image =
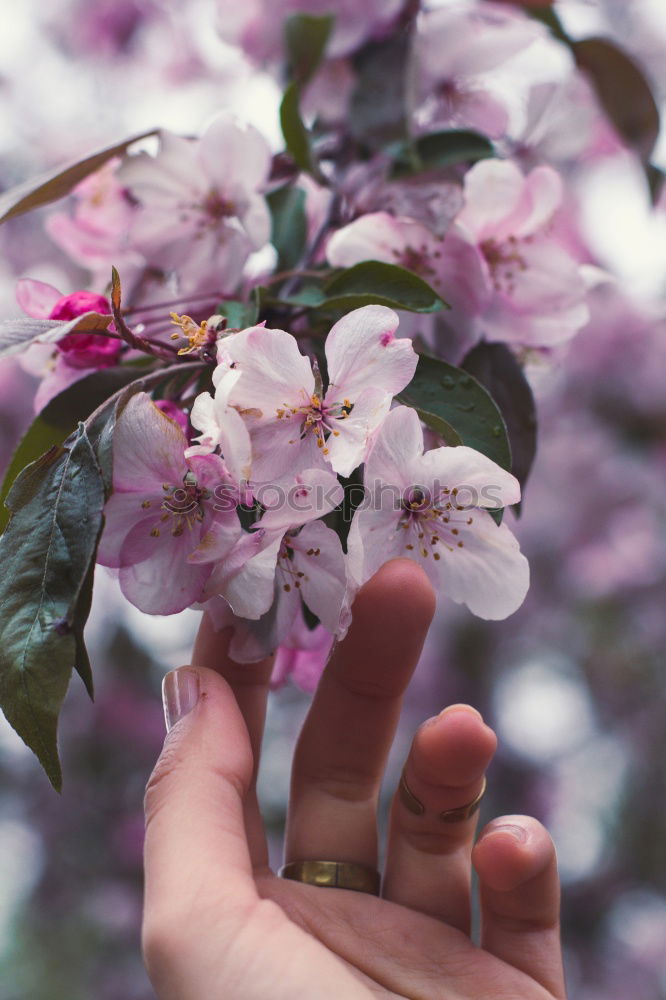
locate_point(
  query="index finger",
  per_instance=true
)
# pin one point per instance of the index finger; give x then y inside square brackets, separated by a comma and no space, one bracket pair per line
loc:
[249,683]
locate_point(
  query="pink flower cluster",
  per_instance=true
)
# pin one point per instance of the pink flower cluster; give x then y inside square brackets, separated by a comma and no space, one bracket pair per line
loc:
[234,494]
[500,266]
[238,521]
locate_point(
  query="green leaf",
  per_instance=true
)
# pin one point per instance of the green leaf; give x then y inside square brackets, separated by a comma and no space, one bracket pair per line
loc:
[59,418]
[16,334]
[378,109]
[79,619]
[310,296]
[56,184]
[373,282]
[440,426]
[456,397]
[296,136]
[442,149]
[655,178]
[46,554]
[495,367]
[623,91]
[305,38]
[548,17]
[289,225]
[239,315]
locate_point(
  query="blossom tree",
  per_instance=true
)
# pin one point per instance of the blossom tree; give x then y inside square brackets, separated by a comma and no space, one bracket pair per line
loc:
[293,365]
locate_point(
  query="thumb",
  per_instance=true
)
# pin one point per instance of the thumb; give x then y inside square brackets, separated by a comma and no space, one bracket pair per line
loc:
[196,847]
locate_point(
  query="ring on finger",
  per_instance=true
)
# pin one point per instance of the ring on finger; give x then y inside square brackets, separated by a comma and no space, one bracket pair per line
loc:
[334,875]
[457,815]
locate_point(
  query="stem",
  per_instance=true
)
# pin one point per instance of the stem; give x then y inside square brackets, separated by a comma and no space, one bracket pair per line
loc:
[311,253]
[202,296]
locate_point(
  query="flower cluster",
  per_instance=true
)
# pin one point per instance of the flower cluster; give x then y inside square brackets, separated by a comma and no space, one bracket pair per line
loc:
[240,519]
[316,353]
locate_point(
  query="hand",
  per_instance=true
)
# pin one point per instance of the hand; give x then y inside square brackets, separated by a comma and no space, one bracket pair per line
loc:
[218,922]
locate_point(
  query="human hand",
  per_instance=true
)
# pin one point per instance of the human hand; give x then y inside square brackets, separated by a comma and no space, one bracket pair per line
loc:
[219,924]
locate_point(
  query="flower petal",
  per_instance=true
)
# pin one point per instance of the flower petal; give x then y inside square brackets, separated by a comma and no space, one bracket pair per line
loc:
[36,298]
[489,574]
[314,493]
[122,512]
[250,592]
[274,373]
[363,353]
[165,583]
[318,555]
[348,444]
[480,482]
[397,445]
[148,448]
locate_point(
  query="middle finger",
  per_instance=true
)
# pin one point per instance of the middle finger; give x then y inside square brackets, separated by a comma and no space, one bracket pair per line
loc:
[341,752]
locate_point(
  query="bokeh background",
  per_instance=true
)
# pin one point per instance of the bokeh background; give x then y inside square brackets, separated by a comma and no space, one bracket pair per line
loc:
[574,682]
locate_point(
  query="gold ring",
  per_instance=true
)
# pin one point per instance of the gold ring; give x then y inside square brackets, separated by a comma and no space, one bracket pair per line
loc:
[334,875]
[415,806]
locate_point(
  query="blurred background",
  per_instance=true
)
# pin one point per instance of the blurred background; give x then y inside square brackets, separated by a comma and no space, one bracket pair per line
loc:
[573,682]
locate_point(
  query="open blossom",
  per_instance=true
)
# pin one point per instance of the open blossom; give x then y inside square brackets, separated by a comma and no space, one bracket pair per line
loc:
[293,424]
[505,275]
[65,361]
[201,211]
[162,509]
[454,47]
[95,233]
[300,560]
[452,265]
[536,290]
[430,507]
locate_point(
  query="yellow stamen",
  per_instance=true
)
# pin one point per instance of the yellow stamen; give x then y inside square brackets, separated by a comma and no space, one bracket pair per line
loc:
[196,335]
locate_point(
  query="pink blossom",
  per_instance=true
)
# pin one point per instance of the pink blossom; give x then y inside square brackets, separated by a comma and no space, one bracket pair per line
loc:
[293,424]
[162,510]
[201,211]
[500,266]
[299,559]
[75,355]
[302,656]
[454,47]
[300,565]
[174,413]
[430,507]
[95,235]
[536,290]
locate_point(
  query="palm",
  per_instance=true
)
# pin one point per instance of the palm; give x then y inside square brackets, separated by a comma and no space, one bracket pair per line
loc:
[391,950]
[220,924]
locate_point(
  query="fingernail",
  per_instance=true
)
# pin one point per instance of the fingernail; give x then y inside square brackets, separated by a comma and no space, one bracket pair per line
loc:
[517,832]
[180,693]
[460,708]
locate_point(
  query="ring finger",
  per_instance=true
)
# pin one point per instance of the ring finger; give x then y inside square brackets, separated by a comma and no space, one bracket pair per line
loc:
[434,816]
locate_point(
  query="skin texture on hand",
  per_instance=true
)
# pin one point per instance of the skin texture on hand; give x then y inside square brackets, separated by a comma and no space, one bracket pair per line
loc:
[220,924]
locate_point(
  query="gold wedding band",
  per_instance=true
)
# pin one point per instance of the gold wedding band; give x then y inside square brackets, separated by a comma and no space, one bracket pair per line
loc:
[415,806]
[334,875]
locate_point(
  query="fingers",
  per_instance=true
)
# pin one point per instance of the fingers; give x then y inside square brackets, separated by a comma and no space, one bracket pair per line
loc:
[250,685]
[196,852]
[520,898]
[341,753]
[428,863]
